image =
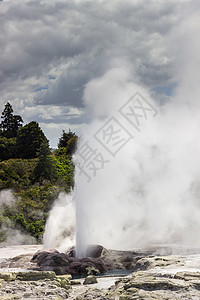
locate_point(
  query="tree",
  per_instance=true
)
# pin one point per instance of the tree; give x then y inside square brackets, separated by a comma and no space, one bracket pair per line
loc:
[72,145]
[67,143]
[11,123]
[65,169]
[29,139]
[44,169]
[7,148]
[65,137]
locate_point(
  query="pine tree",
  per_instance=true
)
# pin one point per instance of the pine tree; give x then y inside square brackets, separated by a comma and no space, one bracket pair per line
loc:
[29,139]
[10,124]
[65,137]
[44,169]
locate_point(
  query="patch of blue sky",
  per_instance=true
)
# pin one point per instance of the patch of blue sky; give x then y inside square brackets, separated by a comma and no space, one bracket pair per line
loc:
[168,90]
[51,77]
[42,88]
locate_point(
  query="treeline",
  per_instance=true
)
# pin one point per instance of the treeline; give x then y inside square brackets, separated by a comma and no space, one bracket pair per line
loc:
[18,141]
[34,173]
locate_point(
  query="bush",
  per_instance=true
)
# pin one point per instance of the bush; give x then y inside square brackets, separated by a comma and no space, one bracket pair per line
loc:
[15,173]
[29,211]
[65,170]
[7,148]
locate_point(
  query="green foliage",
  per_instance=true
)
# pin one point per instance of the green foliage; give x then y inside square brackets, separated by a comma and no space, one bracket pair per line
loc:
[65,137]
[65,169]
[36,178]
[33,227]
[7,148]
[6,221]
[37,198]
[72,145]
[32,208]
[29,139]
[69,142]
[20,174]
[16,173]
[45,169]
[29,211]
[10,123]
[62,151]
[5,224]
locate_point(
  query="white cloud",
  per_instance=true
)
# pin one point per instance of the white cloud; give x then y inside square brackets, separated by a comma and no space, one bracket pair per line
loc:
[63,45]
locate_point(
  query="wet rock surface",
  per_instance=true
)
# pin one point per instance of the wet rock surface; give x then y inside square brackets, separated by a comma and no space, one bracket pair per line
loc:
[153,277]
[152,283]
[140,285]
[144,285]
[114,259]
[99,260]
[91,279]
[33,285]
[62,263]
[94,251]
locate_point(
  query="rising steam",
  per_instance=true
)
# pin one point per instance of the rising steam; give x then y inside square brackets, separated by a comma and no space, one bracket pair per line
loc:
[11,235]
[149,191]
[60,226]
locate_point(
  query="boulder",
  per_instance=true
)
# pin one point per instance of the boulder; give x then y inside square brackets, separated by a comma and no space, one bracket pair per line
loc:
[91,279]
[61,263]
[93,251]
[187,275]
[66,277]
[64,281]
[35,275]
[75,282]
[1,281]
[42,255]
[7,276]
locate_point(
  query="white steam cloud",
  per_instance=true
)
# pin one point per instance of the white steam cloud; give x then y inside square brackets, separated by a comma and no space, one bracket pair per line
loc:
[13,236]
[149,191]
[60,226]
[6,198]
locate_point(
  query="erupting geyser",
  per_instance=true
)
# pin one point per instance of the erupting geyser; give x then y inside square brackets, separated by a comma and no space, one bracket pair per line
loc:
[138,182]
[148,192]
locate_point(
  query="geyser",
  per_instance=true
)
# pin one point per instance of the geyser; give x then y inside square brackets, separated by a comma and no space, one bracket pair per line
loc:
[138,182]
[148,191]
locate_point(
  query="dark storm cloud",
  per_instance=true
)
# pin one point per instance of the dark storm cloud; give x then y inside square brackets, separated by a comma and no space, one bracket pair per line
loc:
[69,87]
[62,45]
[36,36]
[130,31]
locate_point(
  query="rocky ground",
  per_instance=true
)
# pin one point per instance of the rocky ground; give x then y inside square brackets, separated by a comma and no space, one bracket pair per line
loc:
[154,276]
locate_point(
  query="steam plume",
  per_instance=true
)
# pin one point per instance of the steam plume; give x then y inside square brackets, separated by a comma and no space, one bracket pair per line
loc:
[148,192]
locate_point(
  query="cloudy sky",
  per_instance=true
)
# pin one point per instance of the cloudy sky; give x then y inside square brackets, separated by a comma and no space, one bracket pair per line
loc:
[51,49]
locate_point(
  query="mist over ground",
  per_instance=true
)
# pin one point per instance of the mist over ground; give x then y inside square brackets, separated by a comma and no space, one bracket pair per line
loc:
[10,234]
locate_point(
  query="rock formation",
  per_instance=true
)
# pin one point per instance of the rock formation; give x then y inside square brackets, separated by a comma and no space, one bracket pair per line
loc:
[61,263]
